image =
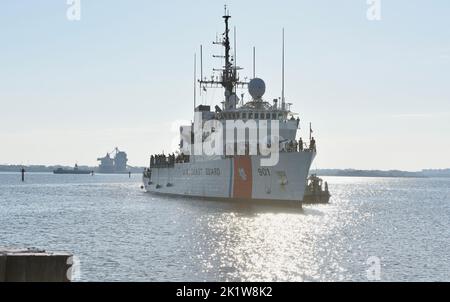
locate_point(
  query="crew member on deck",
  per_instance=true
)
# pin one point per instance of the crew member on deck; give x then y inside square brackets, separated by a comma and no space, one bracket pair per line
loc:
[312,145]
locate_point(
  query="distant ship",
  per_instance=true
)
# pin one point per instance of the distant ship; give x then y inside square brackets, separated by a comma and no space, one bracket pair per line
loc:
[75,170]
[114,162]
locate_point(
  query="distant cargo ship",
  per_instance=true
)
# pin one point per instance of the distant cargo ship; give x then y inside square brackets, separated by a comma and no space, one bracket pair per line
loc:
[75,170]
[114,162]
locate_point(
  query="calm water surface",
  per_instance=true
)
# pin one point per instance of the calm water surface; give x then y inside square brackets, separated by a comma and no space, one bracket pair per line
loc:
[120,233]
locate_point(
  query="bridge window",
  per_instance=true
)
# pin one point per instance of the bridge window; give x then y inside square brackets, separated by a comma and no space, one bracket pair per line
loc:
[250,115]
[244,115]
[256,116]
[274,116]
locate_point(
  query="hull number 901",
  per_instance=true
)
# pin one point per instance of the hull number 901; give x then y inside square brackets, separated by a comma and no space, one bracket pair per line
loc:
[264,172]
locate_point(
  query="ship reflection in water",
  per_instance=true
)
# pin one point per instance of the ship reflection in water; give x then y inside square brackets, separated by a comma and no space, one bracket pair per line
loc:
[258,243]
[122,234]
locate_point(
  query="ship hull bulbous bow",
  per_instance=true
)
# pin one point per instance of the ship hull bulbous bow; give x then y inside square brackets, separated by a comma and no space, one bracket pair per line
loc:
[238,178]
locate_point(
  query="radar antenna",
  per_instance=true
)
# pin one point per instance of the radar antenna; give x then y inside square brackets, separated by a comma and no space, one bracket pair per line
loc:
[229,78]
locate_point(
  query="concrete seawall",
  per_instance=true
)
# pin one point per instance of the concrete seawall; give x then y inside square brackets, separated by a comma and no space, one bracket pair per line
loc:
[32,265]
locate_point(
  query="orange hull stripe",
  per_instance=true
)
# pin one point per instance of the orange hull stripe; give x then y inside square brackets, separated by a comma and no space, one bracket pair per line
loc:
[243,178]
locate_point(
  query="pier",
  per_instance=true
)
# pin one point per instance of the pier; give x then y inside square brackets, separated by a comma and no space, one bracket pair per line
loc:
[33,265]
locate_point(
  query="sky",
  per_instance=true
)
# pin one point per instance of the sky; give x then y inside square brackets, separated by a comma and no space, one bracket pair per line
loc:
[377,92]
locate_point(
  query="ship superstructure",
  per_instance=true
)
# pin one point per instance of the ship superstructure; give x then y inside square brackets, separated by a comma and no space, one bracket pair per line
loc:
[239,169]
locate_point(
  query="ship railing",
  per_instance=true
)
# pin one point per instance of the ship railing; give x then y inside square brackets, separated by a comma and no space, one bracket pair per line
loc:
[298,146]
[294,148]
[162,161]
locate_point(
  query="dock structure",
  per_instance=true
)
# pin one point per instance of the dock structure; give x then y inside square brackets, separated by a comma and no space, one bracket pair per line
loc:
[33,265]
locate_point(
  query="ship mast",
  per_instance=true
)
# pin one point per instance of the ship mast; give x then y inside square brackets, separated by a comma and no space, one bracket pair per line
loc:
[229,79]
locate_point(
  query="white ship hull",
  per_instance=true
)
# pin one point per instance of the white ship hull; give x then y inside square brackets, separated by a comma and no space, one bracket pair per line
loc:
[240,178]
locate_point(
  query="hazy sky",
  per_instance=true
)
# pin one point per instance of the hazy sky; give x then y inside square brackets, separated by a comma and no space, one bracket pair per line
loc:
[377,92]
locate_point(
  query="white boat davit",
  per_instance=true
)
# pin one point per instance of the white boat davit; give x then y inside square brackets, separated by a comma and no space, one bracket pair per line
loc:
[243,150]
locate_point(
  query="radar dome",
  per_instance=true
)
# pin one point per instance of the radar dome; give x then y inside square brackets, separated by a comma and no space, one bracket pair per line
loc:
[257,88]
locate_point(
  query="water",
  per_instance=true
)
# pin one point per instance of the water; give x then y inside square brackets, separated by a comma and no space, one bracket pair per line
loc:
[120,233]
